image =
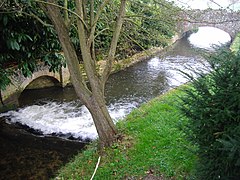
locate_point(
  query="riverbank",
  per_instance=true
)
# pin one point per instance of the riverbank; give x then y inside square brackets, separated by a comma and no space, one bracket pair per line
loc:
[138,57]
[154,144]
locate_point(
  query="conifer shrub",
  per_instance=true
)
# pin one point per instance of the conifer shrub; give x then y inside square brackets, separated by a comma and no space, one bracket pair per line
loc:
[212,104]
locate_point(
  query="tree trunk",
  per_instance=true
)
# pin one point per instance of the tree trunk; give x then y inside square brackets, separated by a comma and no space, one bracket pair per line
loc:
[103,122]
[94,98]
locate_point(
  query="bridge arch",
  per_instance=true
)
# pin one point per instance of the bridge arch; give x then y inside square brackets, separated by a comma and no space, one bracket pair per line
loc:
[219,18]
[41,80]
[194,28]
[19,83]
[206,37]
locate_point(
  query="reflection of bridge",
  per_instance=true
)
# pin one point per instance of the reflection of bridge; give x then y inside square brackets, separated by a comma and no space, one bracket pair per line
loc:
[40,78]
[227,21]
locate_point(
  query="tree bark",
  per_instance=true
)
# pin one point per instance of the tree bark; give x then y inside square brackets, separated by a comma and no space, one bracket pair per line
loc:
[92,98]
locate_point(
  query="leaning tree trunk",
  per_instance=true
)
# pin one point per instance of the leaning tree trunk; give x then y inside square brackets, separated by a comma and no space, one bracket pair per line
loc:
[94,98]
[103,122]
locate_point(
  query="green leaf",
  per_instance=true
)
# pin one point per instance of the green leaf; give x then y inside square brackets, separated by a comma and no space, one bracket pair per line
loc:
[29,37]
[5,20]
[16,45]
[20,38]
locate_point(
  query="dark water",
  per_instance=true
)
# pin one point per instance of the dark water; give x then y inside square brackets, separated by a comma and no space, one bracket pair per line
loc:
[24,155]
[27,156]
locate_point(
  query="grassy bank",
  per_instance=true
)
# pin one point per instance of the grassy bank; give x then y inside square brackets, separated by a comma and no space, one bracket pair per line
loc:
[154,142]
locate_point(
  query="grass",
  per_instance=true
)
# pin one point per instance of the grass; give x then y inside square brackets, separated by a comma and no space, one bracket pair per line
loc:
[154,142]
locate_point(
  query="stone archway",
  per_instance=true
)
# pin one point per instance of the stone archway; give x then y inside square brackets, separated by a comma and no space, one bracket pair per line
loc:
[220,18]
[19,82]
[43,82]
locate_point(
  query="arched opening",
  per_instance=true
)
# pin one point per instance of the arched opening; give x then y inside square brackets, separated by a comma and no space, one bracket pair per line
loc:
[40,88]
[43,82]
[206,37]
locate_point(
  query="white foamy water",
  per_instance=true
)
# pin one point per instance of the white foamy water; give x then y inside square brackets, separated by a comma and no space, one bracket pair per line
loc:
[72,119]
[174,65]
[206,37]
[67,118]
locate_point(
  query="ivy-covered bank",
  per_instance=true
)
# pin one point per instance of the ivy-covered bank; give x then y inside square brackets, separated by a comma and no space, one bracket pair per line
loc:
[152,142]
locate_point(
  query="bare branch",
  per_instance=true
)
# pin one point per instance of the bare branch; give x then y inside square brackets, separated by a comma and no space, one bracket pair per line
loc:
[66,17]
[93,27]
[39,19]
[91,13]
[114,41]
[77,78]
[136,43]
[64,8]
[214,2]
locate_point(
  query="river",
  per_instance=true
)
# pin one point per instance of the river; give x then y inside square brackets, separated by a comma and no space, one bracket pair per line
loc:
[51,125]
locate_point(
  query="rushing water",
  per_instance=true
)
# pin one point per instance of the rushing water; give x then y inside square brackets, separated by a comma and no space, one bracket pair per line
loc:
[57,112]
[60,113]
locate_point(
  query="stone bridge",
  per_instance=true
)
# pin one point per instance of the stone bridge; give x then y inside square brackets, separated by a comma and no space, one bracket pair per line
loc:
[228,21]
[41,78]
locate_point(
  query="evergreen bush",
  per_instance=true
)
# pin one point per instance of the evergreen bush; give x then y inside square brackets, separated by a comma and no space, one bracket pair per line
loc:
[212,104]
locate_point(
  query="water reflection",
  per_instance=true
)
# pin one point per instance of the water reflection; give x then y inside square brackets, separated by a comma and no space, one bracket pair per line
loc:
[209,37]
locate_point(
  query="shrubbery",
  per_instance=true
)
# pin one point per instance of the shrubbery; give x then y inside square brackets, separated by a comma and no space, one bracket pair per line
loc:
[212,105]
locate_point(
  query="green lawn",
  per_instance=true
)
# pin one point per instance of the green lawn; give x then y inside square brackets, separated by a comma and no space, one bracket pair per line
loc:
[154,142]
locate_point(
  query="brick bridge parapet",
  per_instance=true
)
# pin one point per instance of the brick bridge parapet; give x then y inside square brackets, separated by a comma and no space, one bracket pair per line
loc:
[228,21]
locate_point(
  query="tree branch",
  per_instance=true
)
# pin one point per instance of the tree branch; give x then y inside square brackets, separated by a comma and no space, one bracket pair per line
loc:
[39,19]
[61,7]
[77,79]
[95,170]
[88,61]
[113,46]
[93,27]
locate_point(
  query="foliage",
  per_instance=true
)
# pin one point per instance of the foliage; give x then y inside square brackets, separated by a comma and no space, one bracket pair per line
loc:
[235,46]
[213,104]
[26,39]
[148,24]
[154,142]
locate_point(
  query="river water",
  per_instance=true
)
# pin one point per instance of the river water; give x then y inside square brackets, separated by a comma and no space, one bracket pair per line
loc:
[52,125]
[57,111]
